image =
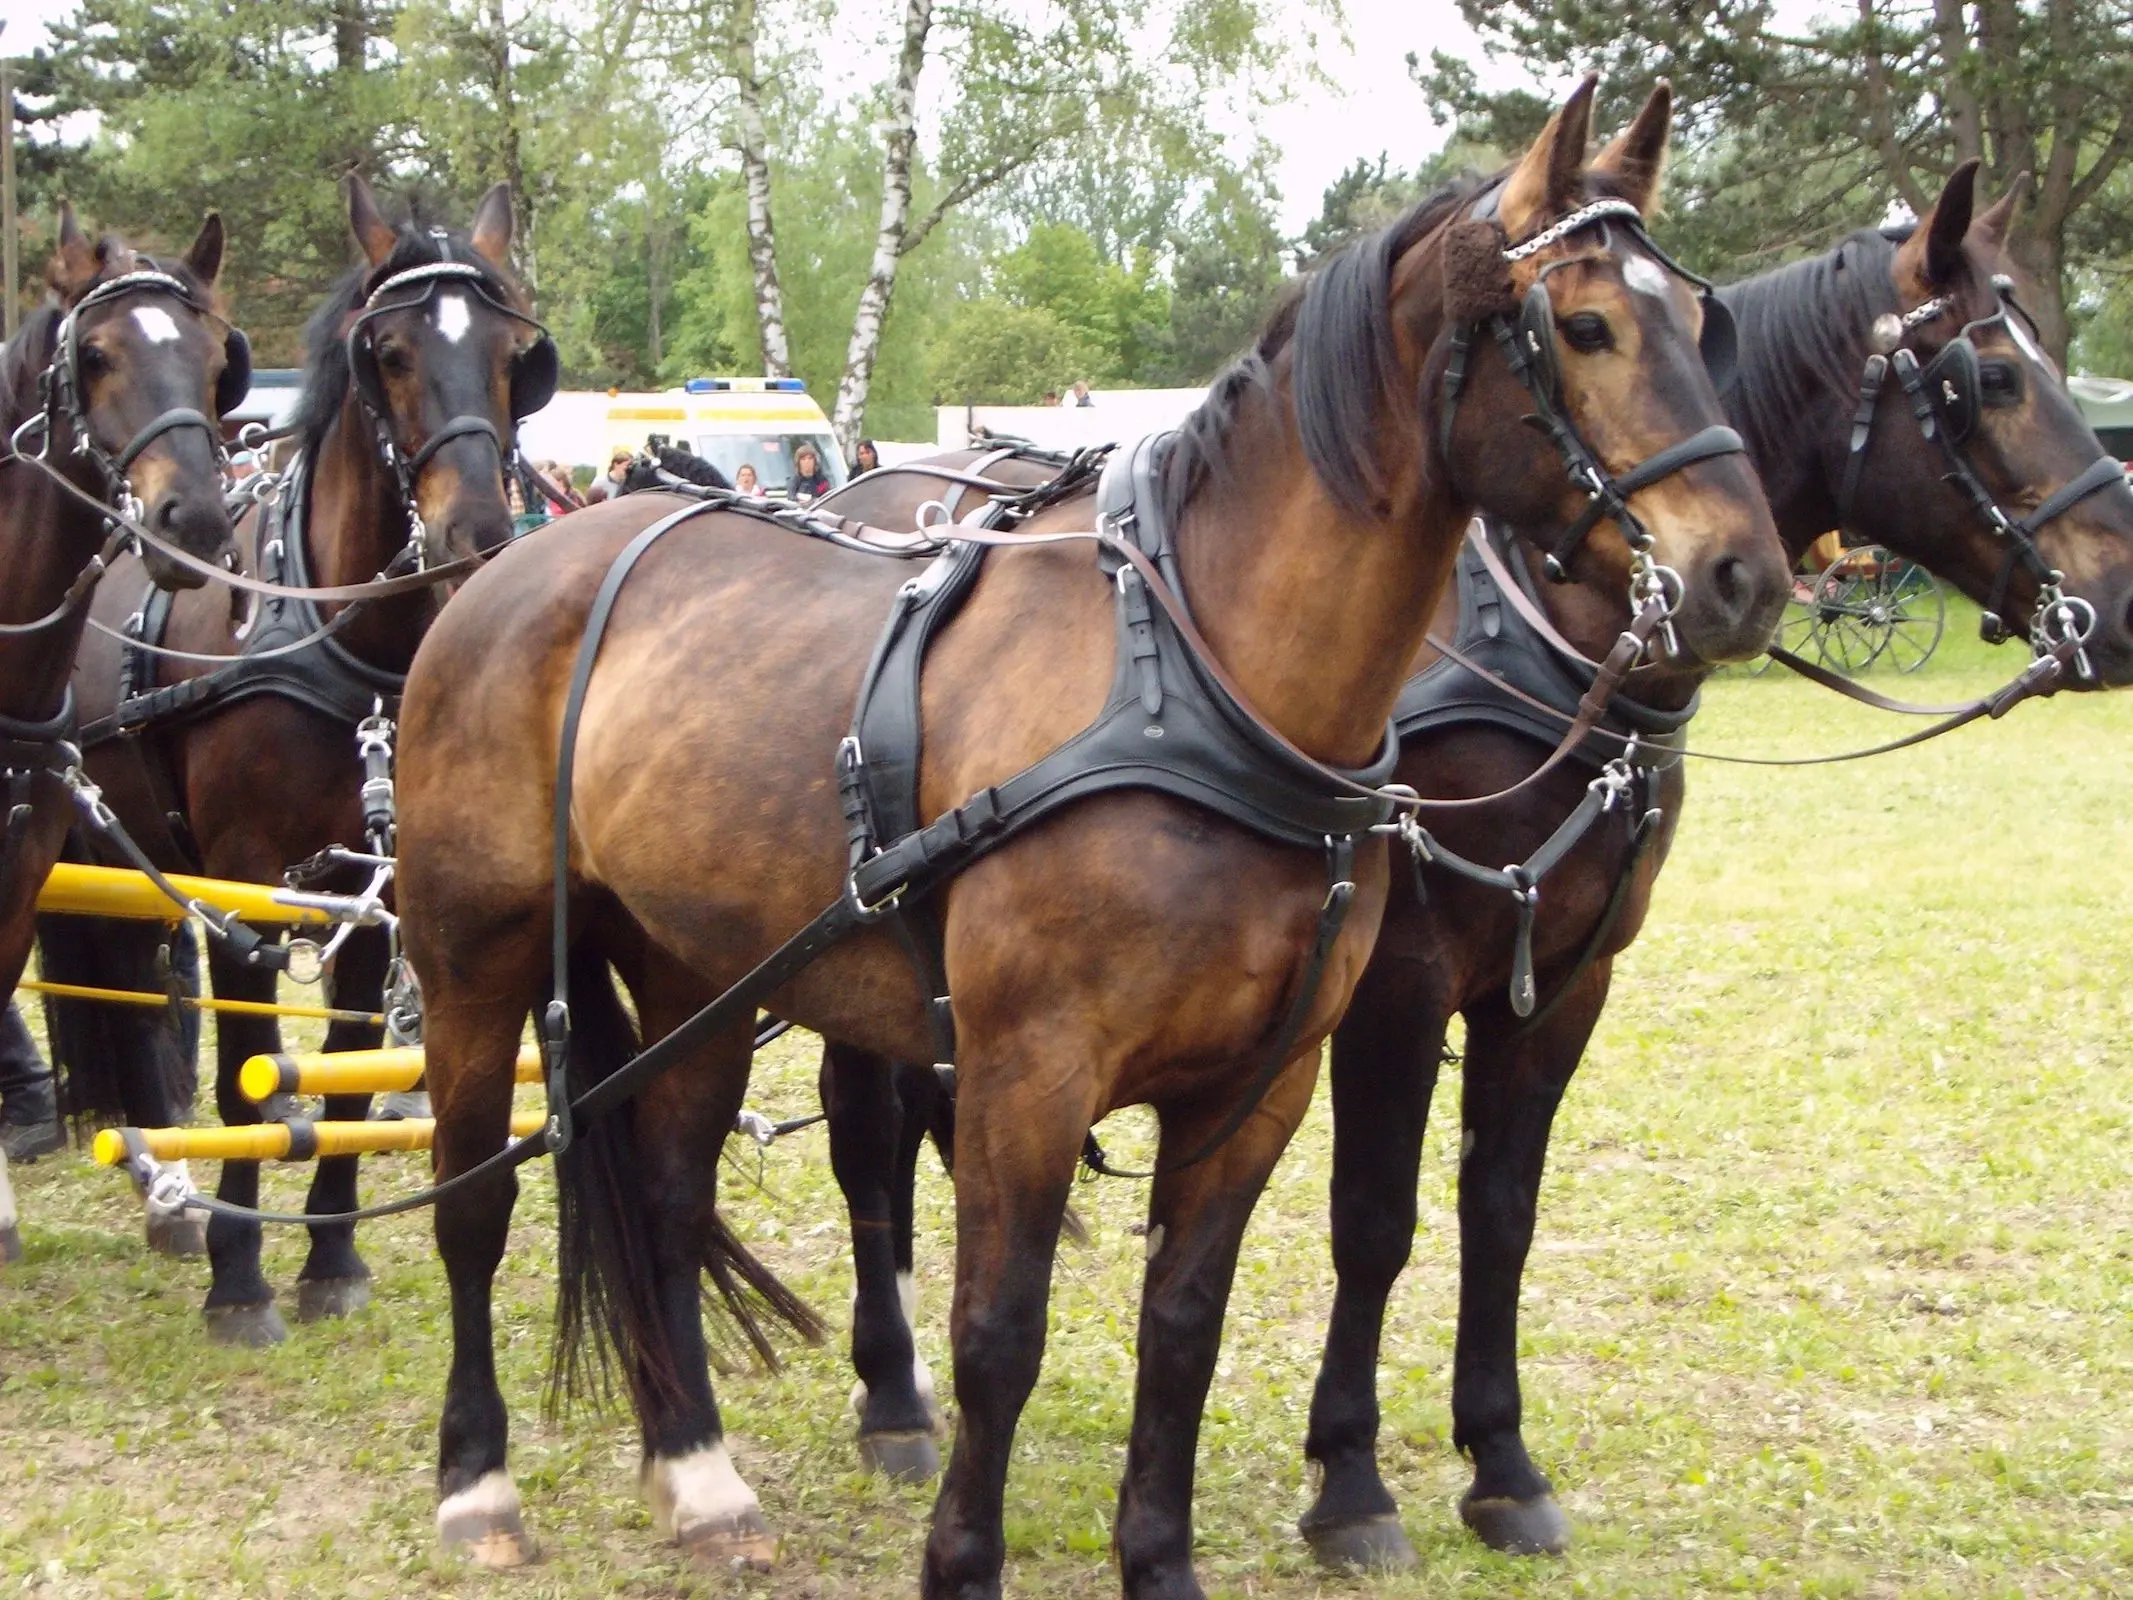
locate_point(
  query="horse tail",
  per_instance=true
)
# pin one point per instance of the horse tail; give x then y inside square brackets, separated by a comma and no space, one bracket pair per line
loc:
[607,1309]
[120,1063]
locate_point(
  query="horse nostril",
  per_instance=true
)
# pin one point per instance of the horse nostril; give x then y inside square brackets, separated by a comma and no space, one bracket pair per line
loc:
[167,513]
[1734,585]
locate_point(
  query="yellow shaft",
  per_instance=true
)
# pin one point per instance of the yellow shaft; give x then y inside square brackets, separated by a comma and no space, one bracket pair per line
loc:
[249,1008]
[350,1072]
[269,1141]
[116,892]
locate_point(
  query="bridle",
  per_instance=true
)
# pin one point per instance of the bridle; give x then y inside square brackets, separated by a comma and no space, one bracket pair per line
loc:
[1526,335]
[1946,396]
[535,372]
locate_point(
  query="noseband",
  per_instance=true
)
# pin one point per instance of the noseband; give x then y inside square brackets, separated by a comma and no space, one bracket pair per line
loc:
[1527,338]
[534,374]
[1946,396]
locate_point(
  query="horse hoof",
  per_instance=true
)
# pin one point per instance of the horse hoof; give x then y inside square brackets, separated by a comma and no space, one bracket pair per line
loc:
[744,1544]
[10,1245]
[1535,1527]
[252,1326]
[319,1298]
[909,1456]
[482,1523]
[1375,1544]
[184,1234]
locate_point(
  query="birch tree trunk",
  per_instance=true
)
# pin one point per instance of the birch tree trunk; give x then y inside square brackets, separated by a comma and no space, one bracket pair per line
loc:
[892,238]
[755,167]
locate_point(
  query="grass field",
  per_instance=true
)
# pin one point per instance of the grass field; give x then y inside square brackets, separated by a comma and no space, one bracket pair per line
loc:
[1833,1293]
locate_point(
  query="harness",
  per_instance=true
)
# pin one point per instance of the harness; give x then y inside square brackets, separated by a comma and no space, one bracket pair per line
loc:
[1946,395]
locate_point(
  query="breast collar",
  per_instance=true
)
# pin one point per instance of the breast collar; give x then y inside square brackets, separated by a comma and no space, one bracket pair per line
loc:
[1491,633]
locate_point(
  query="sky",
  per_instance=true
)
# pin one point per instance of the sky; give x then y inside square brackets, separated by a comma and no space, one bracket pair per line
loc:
[1368,106]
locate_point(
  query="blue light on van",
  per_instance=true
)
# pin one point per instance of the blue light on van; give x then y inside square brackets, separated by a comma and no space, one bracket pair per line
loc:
[706,386]
[785,385]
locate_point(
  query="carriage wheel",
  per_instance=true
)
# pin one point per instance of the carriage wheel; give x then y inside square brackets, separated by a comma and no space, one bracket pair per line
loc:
[1851,610]
[1796,630]
[1918,613]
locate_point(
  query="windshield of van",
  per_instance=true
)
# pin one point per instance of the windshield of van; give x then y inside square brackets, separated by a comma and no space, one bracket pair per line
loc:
[771,454]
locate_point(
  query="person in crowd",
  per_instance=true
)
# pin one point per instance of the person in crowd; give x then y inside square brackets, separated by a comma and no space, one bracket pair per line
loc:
[866,458]
[1082,397]
[1051,397]
[746,482]
[618,468]
[809,481]
[556,490]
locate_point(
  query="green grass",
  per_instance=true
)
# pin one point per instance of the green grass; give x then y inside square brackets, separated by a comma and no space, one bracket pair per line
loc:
[1833,1293]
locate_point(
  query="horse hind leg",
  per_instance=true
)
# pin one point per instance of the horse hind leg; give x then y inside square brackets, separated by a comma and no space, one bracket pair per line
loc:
[240,1307]
[874,1138]
[1513,1083]
[335,1281]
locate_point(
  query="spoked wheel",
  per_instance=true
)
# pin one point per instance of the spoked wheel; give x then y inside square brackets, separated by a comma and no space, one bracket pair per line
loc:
[1918,613]
[1796,630]
[1848,605]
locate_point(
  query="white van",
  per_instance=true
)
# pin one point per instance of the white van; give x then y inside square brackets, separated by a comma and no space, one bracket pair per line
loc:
[731,422]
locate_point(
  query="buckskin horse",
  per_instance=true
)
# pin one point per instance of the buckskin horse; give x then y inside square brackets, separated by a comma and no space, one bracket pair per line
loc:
[122,380]
[1130,948]
[240,756]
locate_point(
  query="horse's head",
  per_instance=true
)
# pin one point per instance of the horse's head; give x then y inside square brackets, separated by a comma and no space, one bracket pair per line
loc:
[443,358]
[1576,396]
[1975,459]
[143,367]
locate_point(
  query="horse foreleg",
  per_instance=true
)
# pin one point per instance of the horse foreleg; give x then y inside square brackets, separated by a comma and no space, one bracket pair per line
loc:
[1513,1082]
[240,1302]
[1019,1134]
[868,1146]
[334,1281]
[1385,1059]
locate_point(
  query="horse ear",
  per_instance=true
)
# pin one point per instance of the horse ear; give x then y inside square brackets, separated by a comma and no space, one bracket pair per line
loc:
[1933,256]
[1990,226]
[493,222]
[73,265]
[367,222]
[205,256]
[1636,157]
[1546,180]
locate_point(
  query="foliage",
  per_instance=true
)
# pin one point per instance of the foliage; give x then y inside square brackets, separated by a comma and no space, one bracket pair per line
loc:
[996,352]
[1794,134]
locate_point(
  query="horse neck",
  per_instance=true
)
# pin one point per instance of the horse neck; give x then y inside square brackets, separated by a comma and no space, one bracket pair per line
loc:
[46,538]
[1316,610]
[354,524]
[1796,428]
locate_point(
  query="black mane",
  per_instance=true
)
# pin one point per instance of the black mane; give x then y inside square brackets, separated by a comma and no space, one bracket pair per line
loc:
[1804,331]
[326,375]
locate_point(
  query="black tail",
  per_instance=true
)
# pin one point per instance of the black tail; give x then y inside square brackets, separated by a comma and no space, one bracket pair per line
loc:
[121,1063]
[607,1312]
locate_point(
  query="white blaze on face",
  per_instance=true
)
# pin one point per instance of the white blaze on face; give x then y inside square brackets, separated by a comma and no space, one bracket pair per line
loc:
[156,324]
[1645,276]
[453,317]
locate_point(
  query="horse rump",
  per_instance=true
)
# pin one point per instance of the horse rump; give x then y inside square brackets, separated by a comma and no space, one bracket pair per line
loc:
[607,1307]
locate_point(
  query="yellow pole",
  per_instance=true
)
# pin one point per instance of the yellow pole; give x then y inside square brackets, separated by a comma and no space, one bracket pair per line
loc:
[350,1072]
[115,892]
[269,1141]
[248,1008]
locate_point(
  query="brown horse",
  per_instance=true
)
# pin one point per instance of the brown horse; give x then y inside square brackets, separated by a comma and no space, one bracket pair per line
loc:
[1130,949]
[1808,333]
[244,760]
[124,375]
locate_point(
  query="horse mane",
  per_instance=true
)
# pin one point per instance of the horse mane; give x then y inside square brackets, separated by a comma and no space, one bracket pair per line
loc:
[1803,330]
[326,374]
[26,355]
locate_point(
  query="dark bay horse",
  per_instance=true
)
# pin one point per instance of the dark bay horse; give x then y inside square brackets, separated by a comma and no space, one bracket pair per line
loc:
[246,762]
[119,384]
[1131,949]
[1807,334]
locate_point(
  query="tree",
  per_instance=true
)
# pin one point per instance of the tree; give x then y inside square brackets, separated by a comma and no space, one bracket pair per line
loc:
[997,353]
[1121,314]
[1809,131]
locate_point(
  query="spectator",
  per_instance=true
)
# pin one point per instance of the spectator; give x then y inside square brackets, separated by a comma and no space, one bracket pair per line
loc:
[618,468]
[866,458]
[1082,397]
[556,489]
[1051,397]
[29,1112]
[746,482]
[809,481]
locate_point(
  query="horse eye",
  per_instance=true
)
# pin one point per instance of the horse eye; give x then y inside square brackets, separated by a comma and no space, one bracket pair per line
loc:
[93,362]
[1588,331]
[392,358]
[1999,380]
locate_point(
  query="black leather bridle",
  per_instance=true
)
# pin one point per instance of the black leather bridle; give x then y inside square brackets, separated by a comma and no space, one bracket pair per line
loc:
[1527,338]
[1946,397]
